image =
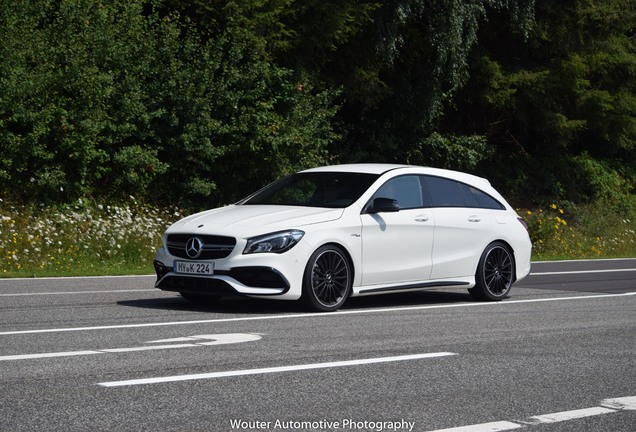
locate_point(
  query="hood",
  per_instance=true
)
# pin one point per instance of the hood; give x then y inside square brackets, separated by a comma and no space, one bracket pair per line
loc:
[252,218]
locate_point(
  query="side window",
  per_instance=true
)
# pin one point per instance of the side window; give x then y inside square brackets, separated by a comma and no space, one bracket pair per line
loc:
[470,200]
[445,192]
[484,200]
[406,190]
[450,193]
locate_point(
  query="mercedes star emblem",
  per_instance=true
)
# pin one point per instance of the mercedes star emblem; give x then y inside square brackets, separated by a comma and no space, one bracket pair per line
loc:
[193,248]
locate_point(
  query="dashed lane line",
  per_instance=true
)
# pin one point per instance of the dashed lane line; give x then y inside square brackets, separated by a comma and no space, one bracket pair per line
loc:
[607,406]
[261,371]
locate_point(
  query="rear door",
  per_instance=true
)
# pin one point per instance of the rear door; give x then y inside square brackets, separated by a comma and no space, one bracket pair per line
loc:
[462,228]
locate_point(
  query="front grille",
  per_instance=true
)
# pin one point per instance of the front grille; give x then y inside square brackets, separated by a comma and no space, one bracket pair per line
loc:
[213,247]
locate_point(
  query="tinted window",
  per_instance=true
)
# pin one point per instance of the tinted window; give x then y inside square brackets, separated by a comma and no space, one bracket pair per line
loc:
[320,189]
[484,200]
[470,200]
[450,193]
[406,190]
[445,192]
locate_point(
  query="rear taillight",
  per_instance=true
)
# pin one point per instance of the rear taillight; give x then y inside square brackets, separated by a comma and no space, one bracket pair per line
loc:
[522,222]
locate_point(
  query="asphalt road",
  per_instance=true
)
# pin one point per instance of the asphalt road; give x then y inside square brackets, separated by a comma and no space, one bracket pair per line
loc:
[114,354]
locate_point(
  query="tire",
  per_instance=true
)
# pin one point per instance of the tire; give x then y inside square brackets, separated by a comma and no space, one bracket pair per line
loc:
[200,298]
[495,273]
[327,280]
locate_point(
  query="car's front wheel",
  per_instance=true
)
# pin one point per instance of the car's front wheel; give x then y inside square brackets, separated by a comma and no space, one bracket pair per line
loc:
[327,280]
[495,273]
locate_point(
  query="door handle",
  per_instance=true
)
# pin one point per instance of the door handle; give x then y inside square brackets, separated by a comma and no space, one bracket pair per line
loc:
[421,219]
[474,219]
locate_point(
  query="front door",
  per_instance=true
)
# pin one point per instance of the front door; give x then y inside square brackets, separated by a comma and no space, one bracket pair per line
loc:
[397,246]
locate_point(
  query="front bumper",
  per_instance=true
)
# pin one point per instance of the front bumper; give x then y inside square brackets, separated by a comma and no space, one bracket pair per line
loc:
[267,275]
[235,282]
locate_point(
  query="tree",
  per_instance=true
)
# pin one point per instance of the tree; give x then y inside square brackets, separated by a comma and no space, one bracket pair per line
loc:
[559,107]
[114,98]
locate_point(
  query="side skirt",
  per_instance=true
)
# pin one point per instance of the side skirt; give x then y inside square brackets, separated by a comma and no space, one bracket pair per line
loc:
[422,285]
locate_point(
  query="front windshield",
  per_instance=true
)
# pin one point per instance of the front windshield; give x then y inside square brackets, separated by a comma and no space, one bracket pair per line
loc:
[317,189]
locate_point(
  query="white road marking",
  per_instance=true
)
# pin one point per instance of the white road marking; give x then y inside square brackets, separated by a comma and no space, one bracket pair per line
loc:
[279,369]
[583,272]
[60,278]
[593,260]
[215,339]
[76,292]
[316,314]
[625,403]
[485,427]
[608,406]
[567,415]
[48,355]
[210,340]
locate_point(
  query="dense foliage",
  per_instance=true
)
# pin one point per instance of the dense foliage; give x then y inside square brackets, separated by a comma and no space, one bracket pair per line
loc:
[198,103]
[107,99]
[558,106]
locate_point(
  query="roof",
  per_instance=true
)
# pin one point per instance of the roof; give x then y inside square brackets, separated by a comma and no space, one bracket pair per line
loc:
[368,168]
[381,168]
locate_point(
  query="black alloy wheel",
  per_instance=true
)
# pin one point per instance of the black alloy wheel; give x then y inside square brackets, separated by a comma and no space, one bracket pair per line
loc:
[328,279]
[495,273]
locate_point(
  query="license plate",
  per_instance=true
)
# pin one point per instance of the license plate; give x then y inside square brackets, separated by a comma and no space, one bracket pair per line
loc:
[190,267]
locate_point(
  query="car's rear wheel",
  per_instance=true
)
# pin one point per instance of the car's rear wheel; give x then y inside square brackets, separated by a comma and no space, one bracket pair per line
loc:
[495,273]
[200,298]
[327,280]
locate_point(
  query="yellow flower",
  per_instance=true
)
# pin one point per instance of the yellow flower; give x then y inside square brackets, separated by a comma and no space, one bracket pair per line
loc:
[561,211]
[529,212]
[553,206]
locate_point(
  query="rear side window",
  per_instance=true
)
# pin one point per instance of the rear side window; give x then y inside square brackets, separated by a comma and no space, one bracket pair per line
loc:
[484,200]
[445,192]
[450,193]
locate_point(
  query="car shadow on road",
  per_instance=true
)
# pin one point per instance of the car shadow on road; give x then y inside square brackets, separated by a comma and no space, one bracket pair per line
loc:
[244,305]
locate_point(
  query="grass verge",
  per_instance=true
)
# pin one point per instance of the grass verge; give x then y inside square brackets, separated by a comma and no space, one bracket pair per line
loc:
[89,239]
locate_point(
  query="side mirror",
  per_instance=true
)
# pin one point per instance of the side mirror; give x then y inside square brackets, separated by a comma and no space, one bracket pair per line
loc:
[384,205]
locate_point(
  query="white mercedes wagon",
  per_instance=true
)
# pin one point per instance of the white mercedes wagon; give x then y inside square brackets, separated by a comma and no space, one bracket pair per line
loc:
[326,234]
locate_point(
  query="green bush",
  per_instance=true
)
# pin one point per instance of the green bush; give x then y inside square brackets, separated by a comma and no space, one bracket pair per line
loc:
[105,99]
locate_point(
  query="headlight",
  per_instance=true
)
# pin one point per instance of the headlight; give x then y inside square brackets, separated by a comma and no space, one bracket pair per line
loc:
[277,242]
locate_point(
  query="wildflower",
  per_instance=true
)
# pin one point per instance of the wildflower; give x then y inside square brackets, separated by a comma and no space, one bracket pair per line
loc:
[553,206]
